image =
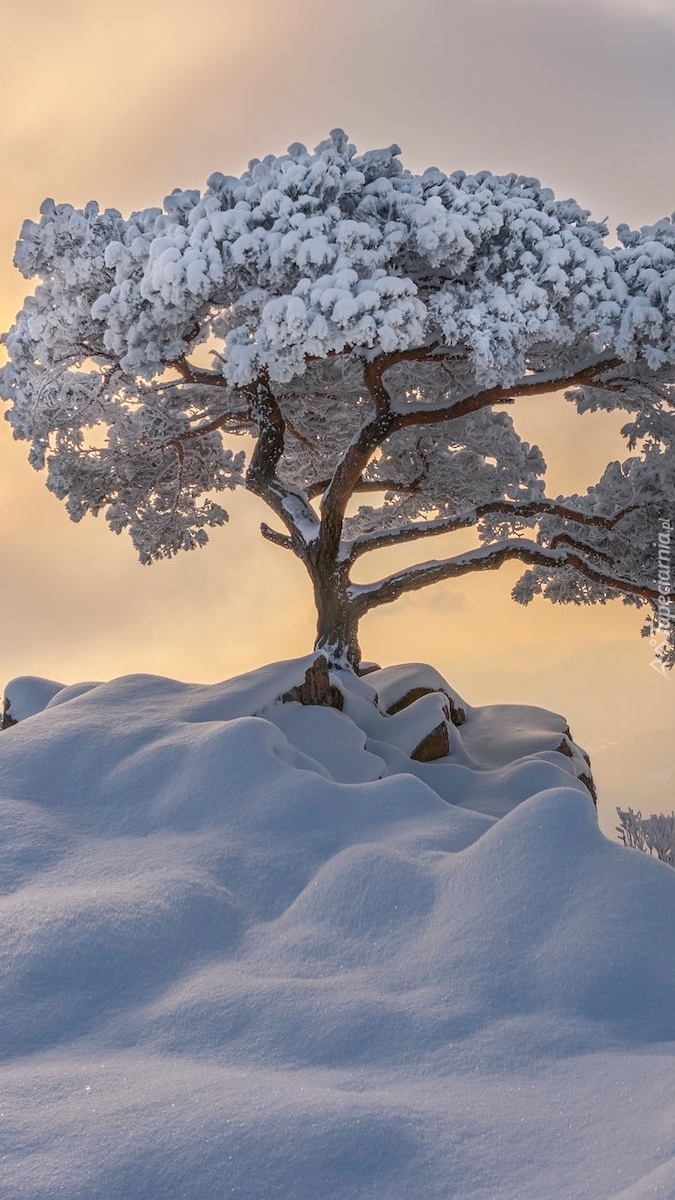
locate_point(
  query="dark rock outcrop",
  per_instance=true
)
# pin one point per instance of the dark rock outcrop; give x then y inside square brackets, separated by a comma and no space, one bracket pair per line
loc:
[435,745]
[585,777]
[456,714]
[316,688]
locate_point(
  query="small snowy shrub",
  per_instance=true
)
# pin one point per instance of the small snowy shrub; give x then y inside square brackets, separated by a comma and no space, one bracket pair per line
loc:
[654,835]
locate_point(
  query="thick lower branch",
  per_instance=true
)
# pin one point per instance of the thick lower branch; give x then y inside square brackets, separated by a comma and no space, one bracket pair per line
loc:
[490,558]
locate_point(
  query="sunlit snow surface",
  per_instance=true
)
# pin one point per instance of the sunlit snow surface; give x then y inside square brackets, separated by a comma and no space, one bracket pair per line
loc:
[255,956]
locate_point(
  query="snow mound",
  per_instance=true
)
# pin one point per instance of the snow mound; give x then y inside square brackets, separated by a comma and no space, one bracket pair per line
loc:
[26,696]
[250,949]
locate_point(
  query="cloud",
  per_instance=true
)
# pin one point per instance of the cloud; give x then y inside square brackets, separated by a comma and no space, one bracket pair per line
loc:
[127,103]
[579,94]
[650,8]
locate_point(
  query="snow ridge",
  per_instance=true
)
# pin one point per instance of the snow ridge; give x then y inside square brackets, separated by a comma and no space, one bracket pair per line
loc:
[251,948]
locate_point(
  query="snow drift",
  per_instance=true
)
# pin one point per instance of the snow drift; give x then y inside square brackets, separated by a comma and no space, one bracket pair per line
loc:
[252,949]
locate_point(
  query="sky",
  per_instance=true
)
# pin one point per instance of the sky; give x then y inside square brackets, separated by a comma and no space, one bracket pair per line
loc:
[123,103]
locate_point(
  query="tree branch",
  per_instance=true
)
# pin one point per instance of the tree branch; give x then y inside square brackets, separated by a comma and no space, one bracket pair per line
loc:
[566,539]
[488,558]
[354,461]
[192,374]
[291,505]
[531,385]
[369,485]
[279,539]
[512,511]
[371,435]
[299,437]
[620,585]
[209,427]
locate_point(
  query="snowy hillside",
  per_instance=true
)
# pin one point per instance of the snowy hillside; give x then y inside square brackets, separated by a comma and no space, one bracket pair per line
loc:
[254,949]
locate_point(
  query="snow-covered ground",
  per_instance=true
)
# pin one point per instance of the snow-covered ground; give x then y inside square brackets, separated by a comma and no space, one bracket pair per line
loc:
[252,949]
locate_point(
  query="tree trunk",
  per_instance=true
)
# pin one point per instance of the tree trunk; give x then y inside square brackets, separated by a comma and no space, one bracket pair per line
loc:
[337,621]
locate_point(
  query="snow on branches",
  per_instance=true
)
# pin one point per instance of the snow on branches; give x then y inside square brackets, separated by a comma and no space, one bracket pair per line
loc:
[364,325]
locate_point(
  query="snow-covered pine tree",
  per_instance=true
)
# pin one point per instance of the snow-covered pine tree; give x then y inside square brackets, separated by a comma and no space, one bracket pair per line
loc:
[367,327]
